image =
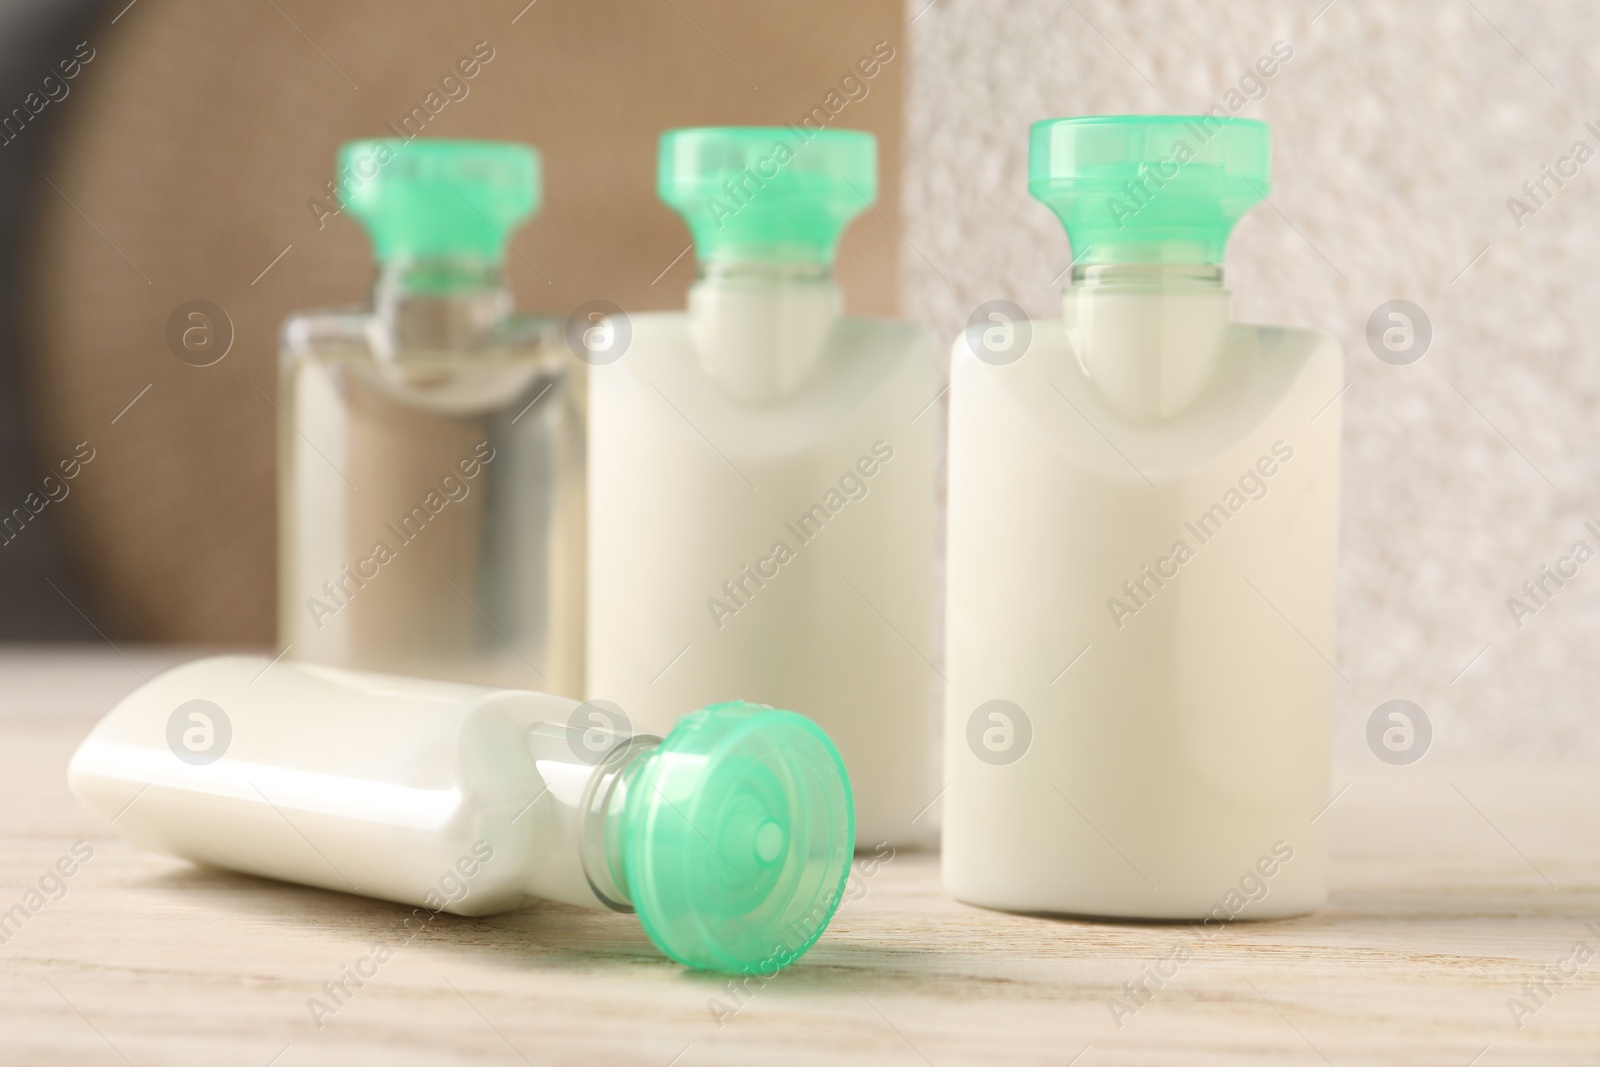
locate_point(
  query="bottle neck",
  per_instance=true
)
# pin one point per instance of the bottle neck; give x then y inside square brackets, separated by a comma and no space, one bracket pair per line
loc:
[604,819]
[1148,335]
[438,305]
[760,328]
[735,272]
[1163,276]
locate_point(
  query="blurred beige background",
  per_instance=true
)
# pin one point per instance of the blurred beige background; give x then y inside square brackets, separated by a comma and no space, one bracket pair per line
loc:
[185,168]
[198,134]
[1400,131]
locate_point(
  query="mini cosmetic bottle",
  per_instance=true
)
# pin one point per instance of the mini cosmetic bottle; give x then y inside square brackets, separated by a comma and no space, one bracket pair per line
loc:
[431,448]
[1143,542]
[761,501]
[731,838]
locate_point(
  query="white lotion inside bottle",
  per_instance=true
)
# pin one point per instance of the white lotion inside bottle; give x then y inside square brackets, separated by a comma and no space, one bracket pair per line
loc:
[760,329]
[475,800]
[1147,334]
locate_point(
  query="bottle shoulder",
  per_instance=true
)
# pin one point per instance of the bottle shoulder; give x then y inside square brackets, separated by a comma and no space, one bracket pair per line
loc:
[870,372]
[855,347]
[347,332]
[1263,377]
[336,357]
[860,357]
[1316,344]
[884,328]
[304,333]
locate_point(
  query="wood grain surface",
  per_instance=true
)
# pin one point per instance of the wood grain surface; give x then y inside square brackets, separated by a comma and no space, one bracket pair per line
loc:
[1452,888]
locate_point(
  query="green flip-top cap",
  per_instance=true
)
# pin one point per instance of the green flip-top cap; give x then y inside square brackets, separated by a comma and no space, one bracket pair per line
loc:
[735,838]
[1149,188]
[427,199]
[772,194]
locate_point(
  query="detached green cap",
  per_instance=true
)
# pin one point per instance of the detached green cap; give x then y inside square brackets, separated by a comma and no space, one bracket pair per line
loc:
[434,198]
[737,839]
[1149,188]
[773,194]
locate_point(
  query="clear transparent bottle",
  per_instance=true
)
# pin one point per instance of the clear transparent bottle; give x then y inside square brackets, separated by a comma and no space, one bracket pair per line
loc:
[1144,508]
[431,448]
[761,478]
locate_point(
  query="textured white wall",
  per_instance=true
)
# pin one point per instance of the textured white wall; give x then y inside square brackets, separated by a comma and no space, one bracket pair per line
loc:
[1400,131]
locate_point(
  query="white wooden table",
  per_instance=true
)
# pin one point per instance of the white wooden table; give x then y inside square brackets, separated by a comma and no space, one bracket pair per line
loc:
[1452,887]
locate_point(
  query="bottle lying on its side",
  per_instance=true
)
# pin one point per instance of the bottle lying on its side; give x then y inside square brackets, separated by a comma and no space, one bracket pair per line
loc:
[731,838]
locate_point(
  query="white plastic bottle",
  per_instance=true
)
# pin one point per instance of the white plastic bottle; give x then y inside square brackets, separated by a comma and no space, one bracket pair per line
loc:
[1142,551]
[731,838]
[761,474]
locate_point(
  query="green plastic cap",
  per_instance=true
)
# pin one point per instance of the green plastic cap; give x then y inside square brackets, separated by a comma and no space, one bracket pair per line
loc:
[738,834]
[427,199]
[772,194]
[1149,188]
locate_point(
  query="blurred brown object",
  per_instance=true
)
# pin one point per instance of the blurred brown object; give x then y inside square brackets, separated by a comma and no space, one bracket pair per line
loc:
[199,145]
